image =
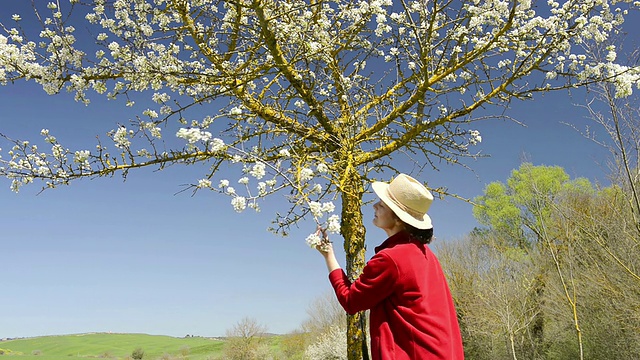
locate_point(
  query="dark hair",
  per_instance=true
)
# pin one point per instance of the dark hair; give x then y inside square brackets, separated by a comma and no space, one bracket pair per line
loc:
[424,236]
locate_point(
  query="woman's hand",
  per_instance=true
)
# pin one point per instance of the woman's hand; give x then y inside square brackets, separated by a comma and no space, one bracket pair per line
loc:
[326,249]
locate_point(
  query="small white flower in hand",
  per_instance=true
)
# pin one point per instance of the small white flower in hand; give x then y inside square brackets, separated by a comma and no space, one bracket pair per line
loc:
[314,240]
[319,240]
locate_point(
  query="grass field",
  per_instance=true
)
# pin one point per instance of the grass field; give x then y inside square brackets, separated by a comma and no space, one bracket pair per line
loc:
[111,346]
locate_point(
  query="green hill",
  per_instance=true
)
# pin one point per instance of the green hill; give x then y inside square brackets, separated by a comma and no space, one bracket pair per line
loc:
[111,346]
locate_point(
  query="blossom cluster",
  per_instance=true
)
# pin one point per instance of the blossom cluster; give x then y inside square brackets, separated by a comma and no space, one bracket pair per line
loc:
[193,135]
[394,34]
[475,137]
[261,178]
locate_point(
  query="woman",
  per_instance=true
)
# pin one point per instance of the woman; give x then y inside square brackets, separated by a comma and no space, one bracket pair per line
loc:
[412,313]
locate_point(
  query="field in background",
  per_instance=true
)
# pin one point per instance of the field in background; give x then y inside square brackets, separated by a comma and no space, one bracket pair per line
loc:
[111,346]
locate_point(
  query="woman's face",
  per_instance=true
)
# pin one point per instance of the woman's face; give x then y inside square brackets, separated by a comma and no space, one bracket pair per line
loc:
[385,219]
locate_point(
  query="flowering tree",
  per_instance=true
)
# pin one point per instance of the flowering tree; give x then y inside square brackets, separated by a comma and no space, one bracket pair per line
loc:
[312,96]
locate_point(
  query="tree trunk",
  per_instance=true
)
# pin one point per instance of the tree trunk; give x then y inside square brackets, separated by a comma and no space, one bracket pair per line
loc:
[354,232]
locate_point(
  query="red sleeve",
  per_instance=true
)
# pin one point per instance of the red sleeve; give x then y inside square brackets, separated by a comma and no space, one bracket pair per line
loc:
[374,284]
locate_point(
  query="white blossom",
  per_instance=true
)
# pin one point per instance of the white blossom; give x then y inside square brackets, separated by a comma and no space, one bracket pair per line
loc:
[328,207]
[333,224]
[223,183]
[262,188]
[316,189]
[313,240]
[239,203]
[306,174]
[152,114]
[216,145]
[475,137]
[156,132]
[204,183]
[121,138]
[258,170]
[160,98]
[193,135]
[322,168]
[315,208]
[284,153]
[81,156]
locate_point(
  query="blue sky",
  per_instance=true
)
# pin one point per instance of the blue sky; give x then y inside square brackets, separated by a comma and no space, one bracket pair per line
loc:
[108,255]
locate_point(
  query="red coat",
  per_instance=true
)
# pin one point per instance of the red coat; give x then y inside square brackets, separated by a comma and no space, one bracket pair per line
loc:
[412,313]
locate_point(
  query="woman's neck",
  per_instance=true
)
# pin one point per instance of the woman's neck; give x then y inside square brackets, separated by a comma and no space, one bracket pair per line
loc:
[392,231]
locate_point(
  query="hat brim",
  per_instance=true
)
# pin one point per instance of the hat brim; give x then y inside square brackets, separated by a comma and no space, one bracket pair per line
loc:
[381,189]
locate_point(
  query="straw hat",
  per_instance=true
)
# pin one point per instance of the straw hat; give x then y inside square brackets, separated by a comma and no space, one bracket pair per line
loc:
[407,198]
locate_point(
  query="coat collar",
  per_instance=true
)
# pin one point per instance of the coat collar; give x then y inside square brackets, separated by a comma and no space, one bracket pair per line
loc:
[401,237]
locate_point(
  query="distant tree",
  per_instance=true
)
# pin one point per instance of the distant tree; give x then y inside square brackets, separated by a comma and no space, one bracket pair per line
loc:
[515,208]
[619,118]
[529,197]
[595,244]
[327,321]
[620,121]
[581,243]
[245,340]
[605,227]
[324,312]
[332,89]
[495,291]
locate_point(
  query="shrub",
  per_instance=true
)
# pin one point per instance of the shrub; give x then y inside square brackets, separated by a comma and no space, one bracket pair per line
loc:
[167,356]
[331,345]
[137,354]
[185,350]
[293,345]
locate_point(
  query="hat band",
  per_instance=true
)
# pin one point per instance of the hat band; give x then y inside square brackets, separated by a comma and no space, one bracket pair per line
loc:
[414,213]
